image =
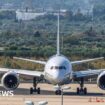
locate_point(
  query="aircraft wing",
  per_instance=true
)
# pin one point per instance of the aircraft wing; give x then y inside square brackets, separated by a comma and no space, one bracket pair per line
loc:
[87,73]
[30,60]
[88,60]
[24,73]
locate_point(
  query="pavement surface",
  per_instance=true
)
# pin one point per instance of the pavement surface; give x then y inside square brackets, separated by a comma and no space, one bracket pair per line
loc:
[95,95]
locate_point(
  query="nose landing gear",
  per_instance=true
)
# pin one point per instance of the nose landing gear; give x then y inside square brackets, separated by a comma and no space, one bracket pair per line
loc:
[58,92]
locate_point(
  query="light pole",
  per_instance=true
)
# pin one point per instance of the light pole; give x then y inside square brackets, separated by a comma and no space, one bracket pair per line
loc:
[64,88]
[62,97]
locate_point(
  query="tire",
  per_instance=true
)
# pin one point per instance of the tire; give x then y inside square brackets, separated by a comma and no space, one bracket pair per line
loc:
[78,90]
[31,90]
[38,90]
[59,92]
[85,91]
[56,92]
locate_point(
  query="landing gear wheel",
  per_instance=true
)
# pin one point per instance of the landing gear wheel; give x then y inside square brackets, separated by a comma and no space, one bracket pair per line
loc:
[38,91]
[35,89]
[82,90]
[85,91]
[31,90]
[78,91]
[58,92]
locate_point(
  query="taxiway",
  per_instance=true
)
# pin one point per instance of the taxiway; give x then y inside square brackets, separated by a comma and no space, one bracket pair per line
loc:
[95,96]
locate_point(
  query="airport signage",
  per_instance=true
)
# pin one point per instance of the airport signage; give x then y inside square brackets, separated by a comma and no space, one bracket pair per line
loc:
[6,93]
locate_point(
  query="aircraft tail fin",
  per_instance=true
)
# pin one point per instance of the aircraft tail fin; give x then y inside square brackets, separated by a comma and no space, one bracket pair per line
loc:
[58,35]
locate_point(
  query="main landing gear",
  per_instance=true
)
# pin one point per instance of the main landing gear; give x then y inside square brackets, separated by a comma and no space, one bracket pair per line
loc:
[82,90]
[34,88]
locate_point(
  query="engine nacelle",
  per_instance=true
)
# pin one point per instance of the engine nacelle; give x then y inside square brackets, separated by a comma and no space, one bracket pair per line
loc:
[101,80]
[10,80]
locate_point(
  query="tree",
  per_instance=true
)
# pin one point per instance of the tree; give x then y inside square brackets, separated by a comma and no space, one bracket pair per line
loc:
[79,16]
[7,63]
[69,14]
[37,34]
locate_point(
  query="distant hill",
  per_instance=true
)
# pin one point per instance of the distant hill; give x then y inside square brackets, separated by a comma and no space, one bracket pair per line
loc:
[55,3]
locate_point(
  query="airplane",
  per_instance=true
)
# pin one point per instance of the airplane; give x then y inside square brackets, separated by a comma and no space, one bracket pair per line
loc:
[57,71]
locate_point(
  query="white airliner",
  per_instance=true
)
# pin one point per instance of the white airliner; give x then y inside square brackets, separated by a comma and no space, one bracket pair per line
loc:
[57,71]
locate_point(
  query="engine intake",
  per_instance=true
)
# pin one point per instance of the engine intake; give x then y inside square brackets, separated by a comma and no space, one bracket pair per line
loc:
[101,80]
[10,80]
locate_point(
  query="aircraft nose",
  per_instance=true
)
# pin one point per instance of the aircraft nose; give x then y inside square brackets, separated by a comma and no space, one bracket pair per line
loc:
[58,77]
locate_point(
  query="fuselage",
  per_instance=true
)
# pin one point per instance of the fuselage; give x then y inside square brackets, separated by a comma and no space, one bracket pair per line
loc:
[58,70]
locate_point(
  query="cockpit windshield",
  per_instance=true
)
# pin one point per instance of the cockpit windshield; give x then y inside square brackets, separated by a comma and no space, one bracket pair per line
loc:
[58,67]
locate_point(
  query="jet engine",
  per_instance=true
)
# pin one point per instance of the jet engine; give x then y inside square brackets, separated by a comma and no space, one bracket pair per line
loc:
[10,80]
[101,80]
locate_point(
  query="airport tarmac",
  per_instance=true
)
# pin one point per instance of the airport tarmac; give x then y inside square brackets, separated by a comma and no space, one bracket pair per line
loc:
[95,95]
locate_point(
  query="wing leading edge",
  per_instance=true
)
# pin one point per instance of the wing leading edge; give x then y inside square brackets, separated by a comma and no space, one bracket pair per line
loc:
[88,60]
[23,72]
[30,60]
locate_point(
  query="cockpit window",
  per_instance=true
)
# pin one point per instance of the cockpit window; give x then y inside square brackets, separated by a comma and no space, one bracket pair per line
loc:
[58,67]
[51,67]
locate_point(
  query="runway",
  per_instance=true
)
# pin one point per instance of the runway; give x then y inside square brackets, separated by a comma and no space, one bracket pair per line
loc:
[95,96]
